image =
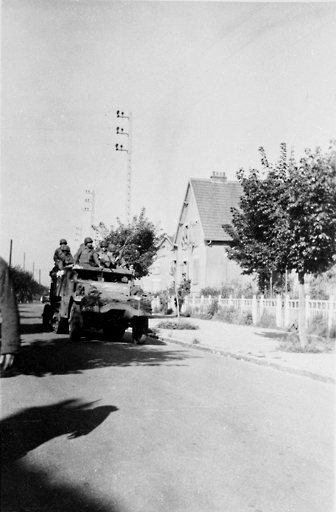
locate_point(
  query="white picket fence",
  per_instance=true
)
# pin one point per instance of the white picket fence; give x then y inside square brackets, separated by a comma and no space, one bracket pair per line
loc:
[284,309]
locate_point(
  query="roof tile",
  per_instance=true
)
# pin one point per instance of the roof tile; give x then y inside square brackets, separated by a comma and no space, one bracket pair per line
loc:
[214,200]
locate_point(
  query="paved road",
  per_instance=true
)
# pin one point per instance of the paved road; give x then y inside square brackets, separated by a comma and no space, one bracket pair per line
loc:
[121,428]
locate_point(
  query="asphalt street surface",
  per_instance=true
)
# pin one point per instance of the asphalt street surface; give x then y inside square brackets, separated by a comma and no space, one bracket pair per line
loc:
[113,427]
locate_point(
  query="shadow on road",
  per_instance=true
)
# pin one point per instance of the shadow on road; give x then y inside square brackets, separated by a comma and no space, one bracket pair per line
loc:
[279,336]
[56,355]
[35,328]
[32,427]
[60,356]
[27,488]
[31,489]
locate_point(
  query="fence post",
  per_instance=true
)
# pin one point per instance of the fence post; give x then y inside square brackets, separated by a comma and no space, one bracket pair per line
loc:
[201,304]
[242,303]
[254,310]
[330,311]
[185,304]
[193,304]
[209,299]
[286,313]
[230,300]
[172,304]
[278,311]
[307,310]
[219,300]
[261,306]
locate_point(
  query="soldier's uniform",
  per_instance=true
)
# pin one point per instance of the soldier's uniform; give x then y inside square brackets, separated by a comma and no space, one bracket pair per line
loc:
[105,257]
[116,260]
[87,256]
[59,254]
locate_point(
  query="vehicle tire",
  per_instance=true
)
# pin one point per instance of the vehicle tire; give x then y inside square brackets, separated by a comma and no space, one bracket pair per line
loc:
[75,323]
[139,334]
[46,317]
[59,324]
[115,333]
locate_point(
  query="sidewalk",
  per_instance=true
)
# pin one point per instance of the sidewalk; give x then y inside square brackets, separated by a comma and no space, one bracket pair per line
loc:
[249,343]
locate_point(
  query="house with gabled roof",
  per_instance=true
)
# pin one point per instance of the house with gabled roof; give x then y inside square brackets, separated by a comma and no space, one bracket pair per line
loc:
[160,275]
[200,241]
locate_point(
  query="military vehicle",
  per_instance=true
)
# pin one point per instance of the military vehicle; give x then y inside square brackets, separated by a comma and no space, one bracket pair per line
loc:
[90,300]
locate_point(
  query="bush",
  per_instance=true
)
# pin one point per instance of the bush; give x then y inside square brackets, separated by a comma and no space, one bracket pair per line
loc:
[188,312]
[322,286]
[235,288]
[212,291]
[227,314]
[212,309]
[246,318]
[314,344]
[232,315]
[177,325]
[267,320]
[319,327]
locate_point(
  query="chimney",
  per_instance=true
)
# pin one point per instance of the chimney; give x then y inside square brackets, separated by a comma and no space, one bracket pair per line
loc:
[218,177]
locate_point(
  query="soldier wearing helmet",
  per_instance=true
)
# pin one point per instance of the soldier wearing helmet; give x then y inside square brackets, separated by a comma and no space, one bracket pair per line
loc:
[86,255]
[104,256]
[62,258]
[59,254]
[115,256]
[68,258]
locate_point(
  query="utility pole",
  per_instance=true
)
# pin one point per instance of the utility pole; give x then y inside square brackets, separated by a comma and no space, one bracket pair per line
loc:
[10,252]
[119,147]
[33,270]
[40,276]
[24,261]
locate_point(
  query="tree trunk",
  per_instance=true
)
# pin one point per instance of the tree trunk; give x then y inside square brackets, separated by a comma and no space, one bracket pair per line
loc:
[177,302]
[302,312]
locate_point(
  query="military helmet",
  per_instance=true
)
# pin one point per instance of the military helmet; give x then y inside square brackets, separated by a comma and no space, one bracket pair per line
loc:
[66,248]
[103,244]
[63,241]
[88,240]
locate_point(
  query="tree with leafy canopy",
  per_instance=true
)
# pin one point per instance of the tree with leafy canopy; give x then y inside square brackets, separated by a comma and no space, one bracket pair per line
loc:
[25,285]
[137,242]
[287,218]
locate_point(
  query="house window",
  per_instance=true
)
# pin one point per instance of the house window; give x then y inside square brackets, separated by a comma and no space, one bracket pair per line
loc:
[185,237]
[194,233]
[195,272]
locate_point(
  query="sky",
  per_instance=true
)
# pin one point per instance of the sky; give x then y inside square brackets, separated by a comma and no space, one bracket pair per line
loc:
[206,83]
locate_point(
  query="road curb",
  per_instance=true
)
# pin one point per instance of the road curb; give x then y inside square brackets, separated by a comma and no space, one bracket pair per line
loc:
[251,359]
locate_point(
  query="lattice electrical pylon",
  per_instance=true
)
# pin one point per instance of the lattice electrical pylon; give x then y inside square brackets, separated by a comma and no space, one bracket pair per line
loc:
[120,147]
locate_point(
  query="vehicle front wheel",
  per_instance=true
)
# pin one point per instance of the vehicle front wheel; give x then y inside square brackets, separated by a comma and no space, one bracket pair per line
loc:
[139,334]
[47,317]
[75,323]
[59,324]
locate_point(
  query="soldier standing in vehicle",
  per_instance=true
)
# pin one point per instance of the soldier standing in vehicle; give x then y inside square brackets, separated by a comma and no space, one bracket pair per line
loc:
[86,256]
[62,258]
[104,255]
[115,256]
[68,258]
[59,253]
